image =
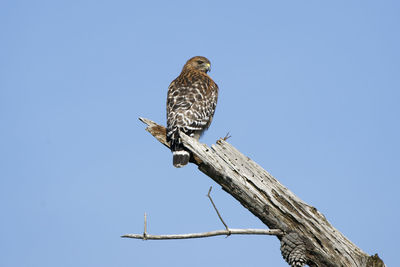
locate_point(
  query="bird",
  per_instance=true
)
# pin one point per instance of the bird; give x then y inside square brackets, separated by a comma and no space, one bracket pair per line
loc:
[191,101]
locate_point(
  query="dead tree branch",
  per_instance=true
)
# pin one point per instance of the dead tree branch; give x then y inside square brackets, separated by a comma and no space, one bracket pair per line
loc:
[308,237]
[206,234]
[226,232]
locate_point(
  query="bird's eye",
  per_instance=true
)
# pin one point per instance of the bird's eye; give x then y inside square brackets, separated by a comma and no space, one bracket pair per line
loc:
[200,62]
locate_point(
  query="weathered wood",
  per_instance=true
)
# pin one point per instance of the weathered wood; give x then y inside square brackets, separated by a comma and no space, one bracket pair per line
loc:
[205,234]
[273,204]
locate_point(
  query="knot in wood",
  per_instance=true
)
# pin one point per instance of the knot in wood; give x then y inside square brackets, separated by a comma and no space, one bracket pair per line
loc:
[293,249]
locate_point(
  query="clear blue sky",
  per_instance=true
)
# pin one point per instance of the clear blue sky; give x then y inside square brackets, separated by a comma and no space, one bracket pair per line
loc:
[308,89]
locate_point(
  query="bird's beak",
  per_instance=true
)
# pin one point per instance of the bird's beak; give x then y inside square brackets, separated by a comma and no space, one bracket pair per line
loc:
[208,67]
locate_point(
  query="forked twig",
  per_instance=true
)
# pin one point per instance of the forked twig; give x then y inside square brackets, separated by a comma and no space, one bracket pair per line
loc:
[227,231]
[227,136]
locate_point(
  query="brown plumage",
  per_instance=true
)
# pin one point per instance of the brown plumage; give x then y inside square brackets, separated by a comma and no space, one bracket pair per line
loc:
[191,101]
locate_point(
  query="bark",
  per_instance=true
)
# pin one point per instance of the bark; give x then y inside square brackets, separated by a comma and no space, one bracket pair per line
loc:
[308,237]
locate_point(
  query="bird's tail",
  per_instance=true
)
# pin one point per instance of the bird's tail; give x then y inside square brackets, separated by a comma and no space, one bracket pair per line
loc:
[180,156]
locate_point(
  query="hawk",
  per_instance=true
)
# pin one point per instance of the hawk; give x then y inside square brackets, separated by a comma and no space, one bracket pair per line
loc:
[191,101]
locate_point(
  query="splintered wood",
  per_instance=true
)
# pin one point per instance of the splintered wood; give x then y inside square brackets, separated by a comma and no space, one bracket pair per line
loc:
[274,204]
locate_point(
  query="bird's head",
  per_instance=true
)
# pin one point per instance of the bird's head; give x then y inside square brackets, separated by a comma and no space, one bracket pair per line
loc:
[198,63]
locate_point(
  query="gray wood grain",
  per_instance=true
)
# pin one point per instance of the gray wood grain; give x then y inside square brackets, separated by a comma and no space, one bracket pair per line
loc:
[274,204]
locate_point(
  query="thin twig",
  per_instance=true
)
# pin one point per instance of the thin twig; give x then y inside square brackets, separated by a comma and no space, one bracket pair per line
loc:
[219,215]
[227,136]
[145,227]
[275,232]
